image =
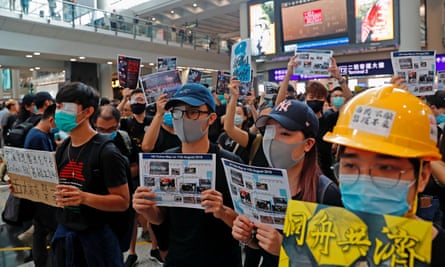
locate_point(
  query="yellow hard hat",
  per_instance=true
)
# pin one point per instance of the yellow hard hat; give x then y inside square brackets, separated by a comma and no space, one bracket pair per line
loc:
[389,121]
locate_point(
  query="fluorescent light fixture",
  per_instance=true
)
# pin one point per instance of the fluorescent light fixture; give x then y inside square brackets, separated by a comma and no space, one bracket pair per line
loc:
[110,62]
[28,56]
[172,11]
[195,5]
[36,53]
[31,69]
[151,64]
[82,57]
[36,68]
[142,65]
[73,59]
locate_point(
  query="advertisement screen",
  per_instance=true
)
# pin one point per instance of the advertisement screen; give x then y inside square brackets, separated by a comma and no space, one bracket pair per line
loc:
[302,20]
[262,28]
[374,20]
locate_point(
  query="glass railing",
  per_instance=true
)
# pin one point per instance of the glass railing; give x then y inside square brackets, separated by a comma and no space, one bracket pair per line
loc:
[68,14]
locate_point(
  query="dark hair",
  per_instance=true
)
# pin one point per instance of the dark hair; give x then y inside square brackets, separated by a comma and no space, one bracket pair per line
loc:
[317,89]
[79,93]
[49,112]
[337,88]
[310,175]
[104,101]
[136,91]
[107,112]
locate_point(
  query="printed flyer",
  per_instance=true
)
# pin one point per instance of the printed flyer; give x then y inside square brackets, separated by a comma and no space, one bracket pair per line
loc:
[418,68]
[158,83]
[313,62]
[128,69]
[259,193]
[321,235]
[166,63]
[177,179]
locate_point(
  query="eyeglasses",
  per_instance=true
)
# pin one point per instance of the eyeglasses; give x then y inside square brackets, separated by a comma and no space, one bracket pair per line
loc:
[194,114]
[107,130]
[392,173]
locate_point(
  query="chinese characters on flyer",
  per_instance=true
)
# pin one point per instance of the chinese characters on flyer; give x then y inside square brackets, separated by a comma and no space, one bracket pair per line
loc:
[320,235]
[240,60]
[313,62]
[418,68]
[128,69]
[177,179]
[259,193]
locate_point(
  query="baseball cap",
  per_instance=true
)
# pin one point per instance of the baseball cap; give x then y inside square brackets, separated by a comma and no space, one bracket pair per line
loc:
[41,97]
[194,94]
[293,115]
[28,99]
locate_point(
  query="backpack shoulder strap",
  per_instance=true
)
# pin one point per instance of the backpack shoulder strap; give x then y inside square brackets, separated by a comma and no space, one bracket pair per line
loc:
[61,149]
[323,184]
[99,142]
[254,148]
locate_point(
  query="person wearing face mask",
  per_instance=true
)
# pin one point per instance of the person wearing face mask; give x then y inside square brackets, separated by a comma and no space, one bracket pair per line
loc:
[384,165]
[202,235]
[159,137]
[335,99]
[288,143]
[92,184]
[136,126]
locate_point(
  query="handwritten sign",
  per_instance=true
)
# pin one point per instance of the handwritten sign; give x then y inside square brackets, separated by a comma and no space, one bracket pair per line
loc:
[320,235]
[33,174]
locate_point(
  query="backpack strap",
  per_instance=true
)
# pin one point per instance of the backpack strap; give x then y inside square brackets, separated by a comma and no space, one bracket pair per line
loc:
[254,148]
[323,184]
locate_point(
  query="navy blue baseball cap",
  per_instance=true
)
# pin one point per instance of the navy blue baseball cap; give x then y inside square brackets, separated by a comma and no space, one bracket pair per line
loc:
[194,94]
[293,115]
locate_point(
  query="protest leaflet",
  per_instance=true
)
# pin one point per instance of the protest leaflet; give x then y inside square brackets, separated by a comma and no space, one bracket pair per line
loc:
[177,179]
[194,76]
[240,61]
[320,235]
[128,69]
[222,83]
[313,62]
[166,63]
[259,193]
[158,83]
[441,80]
[33,174]
[418,68]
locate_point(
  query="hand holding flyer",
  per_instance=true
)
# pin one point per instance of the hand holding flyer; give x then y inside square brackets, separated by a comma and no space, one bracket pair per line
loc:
[312,62]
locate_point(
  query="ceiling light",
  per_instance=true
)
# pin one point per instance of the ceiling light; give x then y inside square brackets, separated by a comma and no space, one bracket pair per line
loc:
[82,57]
[110,62]
[36,68]
[31,69]
[153,19]
[172,12]
[151,64]
[142,65]
[195,5]
[28,56]
[36,53]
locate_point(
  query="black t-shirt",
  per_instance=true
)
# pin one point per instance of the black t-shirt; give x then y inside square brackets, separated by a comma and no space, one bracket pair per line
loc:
[438,248]
[135,130]
[165,141]
[229,144]
[199,239]
[78,172]
[259,159]
[326,124]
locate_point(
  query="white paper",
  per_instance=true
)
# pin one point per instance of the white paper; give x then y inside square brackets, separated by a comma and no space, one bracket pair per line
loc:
[313,62]
[177,179]
[259,193]
[418,68]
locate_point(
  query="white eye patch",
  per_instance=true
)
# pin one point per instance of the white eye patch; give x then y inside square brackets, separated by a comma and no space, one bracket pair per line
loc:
[68,107]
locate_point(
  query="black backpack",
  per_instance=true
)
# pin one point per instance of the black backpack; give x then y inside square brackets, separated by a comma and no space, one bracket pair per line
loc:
[17,134]
[120,222]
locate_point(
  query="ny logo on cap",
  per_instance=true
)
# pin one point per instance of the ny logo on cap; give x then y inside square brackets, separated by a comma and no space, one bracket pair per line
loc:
[283,106]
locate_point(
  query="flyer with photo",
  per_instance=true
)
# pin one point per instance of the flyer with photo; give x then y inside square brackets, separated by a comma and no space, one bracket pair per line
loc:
[166,63]
[128,69]
[177,179]
[259,193]
[240,61]
[440,80]
[222,83]
[158,83]
[418,68]
[313,62]
[194,76]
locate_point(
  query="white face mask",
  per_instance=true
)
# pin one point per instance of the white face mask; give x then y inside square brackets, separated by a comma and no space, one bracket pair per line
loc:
[189,130]
[278,153]
[238,120]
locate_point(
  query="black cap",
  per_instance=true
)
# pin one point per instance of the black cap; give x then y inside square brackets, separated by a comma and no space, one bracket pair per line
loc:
[28,99]
[41,97]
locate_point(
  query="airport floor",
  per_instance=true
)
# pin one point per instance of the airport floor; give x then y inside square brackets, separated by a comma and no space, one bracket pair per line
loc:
[13,251]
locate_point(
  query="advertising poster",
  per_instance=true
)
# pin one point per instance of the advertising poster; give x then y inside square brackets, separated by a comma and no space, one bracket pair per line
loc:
[128,69]
[177,179]
[259,193]
[240,61]
[374,20]
[33,174]
[312,62]
[418,68]
[262,28]
[166,63]
[158,83]
[320,235]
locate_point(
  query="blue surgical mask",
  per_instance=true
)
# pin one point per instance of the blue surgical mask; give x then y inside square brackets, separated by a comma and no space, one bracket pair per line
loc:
[112,135]
[35,109]
[238,120]
[363,195]
[65,121]
[278,153]
[338,101]
[168,120]
[440,118]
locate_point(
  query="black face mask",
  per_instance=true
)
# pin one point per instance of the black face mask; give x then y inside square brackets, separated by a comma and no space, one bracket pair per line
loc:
[137,108]
[315,105]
